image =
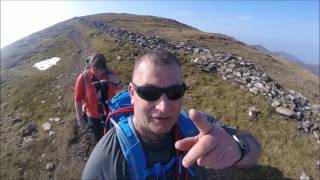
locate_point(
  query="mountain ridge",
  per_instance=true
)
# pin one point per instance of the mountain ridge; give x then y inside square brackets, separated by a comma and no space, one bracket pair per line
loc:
[314,68]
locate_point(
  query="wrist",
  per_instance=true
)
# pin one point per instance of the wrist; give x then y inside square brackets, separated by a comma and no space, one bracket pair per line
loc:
[250,155]
[243,147]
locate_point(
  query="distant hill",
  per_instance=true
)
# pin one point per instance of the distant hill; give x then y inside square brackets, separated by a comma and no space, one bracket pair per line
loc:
[261,48]
[314,68]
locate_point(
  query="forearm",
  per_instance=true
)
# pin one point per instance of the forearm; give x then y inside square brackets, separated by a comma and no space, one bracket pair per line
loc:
[253,151]
[78,107]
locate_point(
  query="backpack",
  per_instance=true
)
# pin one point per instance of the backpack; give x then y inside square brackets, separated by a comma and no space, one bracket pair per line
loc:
[119,116]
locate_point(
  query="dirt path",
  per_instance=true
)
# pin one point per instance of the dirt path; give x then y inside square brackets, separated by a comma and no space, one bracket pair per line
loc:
[74,146]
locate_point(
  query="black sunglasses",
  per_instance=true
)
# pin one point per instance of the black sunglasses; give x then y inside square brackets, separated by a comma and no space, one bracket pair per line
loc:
[152,93]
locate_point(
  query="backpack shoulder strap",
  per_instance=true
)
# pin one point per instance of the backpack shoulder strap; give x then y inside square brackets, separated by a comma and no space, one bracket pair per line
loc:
[85,70]
[85,77]
[131,148]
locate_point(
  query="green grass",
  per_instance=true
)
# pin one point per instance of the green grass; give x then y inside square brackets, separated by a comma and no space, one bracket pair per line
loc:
[283,148]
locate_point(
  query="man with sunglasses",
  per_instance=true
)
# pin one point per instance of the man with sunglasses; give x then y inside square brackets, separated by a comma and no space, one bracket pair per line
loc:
[156,93]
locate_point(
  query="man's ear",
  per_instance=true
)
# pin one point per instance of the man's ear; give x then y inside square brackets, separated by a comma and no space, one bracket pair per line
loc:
[131,92]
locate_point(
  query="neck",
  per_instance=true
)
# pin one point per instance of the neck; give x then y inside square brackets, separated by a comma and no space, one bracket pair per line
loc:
[145,134]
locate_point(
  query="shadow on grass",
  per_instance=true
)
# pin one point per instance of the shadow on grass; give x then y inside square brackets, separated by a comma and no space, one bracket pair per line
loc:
[256,172]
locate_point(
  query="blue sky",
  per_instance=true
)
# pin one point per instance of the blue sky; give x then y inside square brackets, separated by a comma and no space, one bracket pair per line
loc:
[291,26]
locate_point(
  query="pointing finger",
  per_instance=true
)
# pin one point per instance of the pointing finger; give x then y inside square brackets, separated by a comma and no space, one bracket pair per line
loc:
[198,118]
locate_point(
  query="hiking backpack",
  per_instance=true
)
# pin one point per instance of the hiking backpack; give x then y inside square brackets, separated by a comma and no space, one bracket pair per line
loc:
[119,116]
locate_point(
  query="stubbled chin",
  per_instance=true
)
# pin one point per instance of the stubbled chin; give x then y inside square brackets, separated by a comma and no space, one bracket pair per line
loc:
[162,126]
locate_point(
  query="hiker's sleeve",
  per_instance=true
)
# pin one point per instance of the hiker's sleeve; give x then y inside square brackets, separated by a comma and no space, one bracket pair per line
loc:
[253,151]
[106,160]
[79,89]
[214,121]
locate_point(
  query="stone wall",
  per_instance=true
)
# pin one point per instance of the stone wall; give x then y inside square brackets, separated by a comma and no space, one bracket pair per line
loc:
[229,67]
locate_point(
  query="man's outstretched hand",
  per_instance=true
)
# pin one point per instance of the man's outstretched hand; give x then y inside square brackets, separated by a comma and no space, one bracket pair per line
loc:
[213,148]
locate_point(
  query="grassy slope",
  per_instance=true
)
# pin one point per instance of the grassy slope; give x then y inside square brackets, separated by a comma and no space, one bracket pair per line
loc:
[288,74]
[285,153]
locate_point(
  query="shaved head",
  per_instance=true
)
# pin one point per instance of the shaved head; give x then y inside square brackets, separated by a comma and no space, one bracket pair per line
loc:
[157,57]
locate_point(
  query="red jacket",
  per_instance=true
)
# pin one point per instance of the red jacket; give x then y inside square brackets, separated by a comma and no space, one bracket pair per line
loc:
[88,93]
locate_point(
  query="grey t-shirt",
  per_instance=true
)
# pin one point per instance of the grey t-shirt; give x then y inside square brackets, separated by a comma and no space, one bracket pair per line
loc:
[107,160]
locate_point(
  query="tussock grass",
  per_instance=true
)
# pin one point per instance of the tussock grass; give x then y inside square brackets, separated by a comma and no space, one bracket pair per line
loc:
[285,152]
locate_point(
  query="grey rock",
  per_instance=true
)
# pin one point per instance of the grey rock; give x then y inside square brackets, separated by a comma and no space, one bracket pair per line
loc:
[50,166]
[297,115]
[46,126]
[275,103]
[28,130]
[316,134]
[228,70]
[306,123]
[27,140]
[284,111]
[231,66]
[254,90]
[259,85]
[253,113]
[229,76]
[246,74]
[224,78]
[303,176]
[238,74]
[196,60]
[52,133]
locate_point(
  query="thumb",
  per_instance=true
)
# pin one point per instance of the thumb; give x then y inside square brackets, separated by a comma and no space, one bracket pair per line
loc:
[198,119]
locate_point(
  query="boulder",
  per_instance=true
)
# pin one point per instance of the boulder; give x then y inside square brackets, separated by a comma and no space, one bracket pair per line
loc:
[46,126]
[284,111]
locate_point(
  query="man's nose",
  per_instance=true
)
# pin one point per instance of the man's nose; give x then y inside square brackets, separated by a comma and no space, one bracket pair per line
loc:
[163,103]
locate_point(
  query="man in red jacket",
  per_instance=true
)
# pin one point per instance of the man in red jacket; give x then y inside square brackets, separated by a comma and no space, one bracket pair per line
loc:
[94,87]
